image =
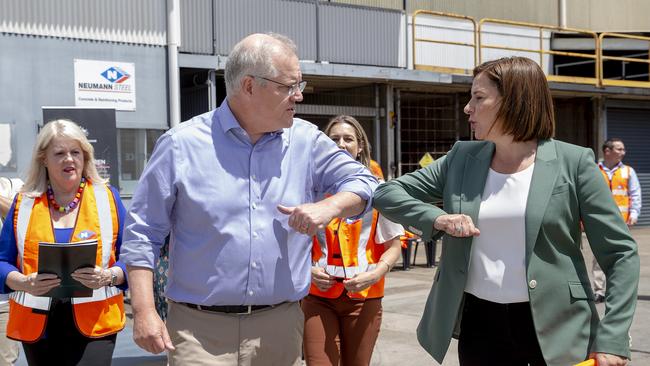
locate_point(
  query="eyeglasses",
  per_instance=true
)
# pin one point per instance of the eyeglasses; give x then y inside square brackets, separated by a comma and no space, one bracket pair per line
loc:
[291,89]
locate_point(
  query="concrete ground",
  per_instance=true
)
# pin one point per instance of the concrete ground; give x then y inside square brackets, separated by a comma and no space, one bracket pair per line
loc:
[406,293]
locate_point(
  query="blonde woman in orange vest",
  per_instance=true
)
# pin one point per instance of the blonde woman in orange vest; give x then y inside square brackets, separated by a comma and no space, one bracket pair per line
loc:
[350,259]
[63,200]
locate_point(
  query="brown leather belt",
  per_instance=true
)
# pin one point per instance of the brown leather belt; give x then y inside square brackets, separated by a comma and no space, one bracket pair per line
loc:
[228,309]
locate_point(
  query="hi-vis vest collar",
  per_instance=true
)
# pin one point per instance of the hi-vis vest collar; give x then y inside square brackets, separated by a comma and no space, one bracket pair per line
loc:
[106,231]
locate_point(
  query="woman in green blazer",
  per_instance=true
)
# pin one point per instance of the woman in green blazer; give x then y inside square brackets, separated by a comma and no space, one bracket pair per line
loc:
[512,285]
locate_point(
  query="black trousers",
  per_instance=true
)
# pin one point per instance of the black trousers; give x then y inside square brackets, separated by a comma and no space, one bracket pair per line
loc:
[64,345]
[497,334]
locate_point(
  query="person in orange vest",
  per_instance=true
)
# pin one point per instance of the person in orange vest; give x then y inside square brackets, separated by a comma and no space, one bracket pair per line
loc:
[626,191]
[350,259]
[63,200]
[375,169]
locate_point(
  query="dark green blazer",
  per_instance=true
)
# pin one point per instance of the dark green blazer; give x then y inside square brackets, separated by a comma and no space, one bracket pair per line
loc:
[566,187]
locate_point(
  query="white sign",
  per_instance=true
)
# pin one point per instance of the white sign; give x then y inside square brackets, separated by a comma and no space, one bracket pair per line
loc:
[104,84]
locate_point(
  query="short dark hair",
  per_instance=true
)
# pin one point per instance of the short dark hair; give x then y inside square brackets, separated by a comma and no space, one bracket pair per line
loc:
[526,109]
[609,143]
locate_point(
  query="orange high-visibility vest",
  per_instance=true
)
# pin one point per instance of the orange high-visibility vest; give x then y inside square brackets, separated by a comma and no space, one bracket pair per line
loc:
[345,249]
[619,187]
[404,239]
[96,316]
[375,169]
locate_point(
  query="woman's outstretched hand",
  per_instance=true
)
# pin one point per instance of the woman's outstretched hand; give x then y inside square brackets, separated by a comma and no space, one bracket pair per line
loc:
[457,225]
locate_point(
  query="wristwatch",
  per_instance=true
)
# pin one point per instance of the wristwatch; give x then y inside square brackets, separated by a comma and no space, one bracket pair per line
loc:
[113,278]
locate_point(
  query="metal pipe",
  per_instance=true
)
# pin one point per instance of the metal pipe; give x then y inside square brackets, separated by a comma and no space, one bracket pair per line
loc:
[173,42]
[562,13]
[376,127]
[398,133]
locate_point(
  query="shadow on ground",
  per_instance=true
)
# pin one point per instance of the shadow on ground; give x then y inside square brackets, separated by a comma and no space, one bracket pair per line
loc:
[139,361]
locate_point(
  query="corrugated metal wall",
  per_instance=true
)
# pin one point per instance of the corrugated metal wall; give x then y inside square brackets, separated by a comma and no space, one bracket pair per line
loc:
[533,11]
[354,35]
[141,21]
[233,20]
[336,33]
[611,16]
[633,127]
[196,27]
[386,4]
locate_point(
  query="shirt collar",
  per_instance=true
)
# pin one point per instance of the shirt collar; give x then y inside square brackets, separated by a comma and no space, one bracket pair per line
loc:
[228,121]
[604,167]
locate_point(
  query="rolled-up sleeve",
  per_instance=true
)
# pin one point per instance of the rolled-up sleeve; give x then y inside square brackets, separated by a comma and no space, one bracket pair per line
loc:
[121,212]
[148,221]
[335,171]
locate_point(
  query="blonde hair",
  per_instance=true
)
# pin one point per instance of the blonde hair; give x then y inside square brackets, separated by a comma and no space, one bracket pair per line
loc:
[364,155]
[36,182]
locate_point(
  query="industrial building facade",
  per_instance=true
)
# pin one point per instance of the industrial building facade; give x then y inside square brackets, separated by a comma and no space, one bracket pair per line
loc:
[401,67]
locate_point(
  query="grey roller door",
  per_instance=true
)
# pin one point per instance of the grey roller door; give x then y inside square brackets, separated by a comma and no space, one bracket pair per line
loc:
[633,127]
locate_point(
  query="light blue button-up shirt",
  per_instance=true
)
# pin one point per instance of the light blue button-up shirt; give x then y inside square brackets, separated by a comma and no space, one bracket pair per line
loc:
[217,194]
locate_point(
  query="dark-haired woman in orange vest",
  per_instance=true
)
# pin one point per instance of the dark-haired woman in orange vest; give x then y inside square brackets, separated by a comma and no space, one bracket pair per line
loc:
[63,200]
[350,259]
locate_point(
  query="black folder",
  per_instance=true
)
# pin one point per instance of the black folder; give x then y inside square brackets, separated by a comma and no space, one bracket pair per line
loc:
[62,259]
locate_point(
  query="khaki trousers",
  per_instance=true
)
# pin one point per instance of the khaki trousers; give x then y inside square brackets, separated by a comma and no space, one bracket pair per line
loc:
[9,349]
[598,279]
[267,337]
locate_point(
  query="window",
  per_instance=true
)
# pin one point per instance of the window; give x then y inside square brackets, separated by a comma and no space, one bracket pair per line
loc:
[134,149]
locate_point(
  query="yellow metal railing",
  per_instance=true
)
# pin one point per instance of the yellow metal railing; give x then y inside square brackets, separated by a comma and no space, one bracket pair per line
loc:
[603,58]
[450,70]
[541,51]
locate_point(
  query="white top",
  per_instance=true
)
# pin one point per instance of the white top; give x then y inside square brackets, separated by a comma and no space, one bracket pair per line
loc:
[387,230]
[497,269]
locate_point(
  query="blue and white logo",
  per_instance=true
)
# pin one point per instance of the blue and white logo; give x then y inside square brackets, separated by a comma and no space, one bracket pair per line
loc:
[115,75]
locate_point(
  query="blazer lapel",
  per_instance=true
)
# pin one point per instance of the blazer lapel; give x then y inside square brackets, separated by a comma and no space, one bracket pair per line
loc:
[545,174]
[474,176]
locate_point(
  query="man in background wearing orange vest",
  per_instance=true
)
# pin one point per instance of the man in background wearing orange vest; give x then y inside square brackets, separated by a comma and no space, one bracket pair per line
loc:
[624,184]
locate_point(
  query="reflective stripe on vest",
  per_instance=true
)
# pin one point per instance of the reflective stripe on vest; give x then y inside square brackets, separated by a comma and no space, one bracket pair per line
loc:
[362,259]
[35,302]
[355,240]
[106,230]
[24,213]
[347,272]
[618,185]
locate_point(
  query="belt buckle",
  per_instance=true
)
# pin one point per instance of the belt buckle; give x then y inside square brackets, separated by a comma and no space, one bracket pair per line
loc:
[248,312]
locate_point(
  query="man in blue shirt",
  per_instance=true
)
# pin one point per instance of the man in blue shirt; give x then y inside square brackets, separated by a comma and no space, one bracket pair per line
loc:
[235,189]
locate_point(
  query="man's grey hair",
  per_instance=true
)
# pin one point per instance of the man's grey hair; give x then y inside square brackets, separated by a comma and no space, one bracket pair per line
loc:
[255,59]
